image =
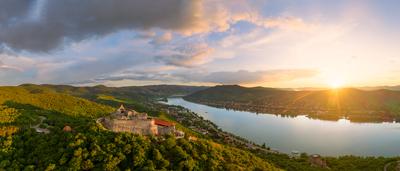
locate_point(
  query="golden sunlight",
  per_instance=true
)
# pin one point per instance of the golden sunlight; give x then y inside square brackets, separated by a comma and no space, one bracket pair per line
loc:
[336,83]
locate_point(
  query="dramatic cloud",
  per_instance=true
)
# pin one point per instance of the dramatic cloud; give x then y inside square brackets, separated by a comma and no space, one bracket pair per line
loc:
[43,25]
[13,9]
[103,41]
[75,20]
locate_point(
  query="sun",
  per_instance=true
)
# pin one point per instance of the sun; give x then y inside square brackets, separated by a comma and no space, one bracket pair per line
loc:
[336,83]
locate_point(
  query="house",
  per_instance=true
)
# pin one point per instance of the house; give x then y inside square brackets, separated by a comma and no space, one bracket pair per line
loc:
[295,154]
[317,161]
[179,134]
[164,127]
[67,128]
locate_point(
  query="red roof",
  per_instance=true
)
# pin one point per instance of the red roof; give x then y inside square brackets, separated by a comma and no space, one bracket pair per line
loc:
[163,123]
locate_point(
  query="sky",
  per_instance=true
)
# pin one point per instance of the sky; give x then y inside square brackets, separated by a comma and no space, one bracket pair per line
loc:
[271,43]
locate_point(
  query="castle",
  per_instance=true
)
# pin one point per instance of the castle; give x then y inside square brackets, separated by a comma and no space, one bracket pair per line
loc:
[123,120]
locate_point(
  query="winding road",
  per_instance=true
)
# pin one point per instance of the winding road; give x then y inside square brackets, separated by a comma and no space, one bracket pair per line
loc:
[388,164]
[38,129]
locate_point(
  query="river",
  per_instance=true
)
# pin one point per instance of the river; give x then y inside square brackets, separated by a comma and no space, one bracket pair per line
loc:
[287,134]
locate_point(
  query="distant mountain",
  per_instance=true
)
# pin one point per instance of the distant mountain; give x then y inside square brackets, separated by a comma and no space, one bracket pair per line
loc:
[356,104]
[139,92]
[394,88]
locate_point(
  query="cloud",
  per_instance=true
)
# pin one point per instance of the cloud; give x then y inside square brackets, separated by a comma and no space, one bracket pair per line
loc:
[44,25]
[159,73]
[12,10]
[5,67]
[75,20]
[187,55]
[224,77]
[107,38]
[83,70]
[141,76]
[250,77]
[162,39]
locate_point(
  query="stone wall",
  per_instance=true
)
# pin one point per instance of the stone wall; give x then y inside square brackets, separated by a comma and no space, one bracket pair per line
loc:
[136,126]
[143,127]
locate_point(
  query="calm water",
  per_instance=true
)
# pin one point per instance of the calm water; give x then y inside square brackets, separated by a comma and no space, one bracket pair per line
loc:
[330,138]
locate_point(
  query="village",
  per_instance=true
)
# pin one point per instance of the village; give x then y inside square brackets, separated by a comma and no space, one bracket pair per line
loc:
[208,129]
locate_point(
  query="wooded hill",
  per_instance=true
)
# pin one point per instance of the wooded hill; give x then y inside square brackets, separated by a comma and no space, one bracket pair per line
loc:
[139,92]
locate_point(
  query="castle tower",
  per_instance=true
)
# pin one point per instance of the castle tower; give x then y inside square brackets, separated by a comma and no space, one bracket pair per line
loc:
[121,109]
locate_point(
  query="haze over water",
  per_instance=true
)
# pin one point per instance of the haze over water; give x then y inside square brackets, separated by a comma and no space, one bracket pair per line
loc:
[285,134]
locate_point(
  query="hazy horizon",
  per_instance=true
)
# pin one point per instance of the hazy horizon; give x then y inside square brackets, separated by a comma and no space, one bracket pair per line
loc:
[394,87]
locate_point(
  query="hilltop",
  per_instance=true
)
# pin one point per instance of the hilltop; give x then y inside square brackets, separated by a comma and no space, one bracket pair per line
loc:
[356,105]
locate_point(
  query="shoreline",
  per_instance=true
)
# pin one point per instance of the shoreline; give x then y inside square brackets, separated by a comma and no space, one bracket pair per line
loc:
[354,118]
[288,152]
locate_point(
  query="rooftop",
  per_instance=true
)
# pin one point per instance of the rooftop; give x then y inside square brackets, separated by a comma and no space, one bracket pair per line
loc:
[163,123]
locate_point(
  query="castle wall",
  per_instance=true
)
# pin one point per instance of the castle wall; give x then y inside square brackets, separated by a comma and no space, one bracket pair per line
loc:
[138,123]
[144,127]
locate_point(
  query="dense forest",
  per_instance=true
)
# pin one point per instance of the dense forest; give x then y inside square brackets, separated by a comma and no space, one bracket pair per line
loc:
[131,92]
[26,110]
[353,104]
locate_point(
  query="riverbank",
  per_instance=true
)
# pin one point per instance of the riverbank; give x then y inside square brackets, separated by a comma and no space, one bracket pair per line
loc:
[207,129]
[354,104]
[299,133]
[359,116]
[200,121]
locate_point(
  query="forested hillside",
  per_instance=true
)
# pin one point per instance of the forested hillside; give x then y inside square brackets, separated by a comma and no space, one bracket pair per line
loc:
[87,146]
[356,105]
[131,92]
[48,100]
